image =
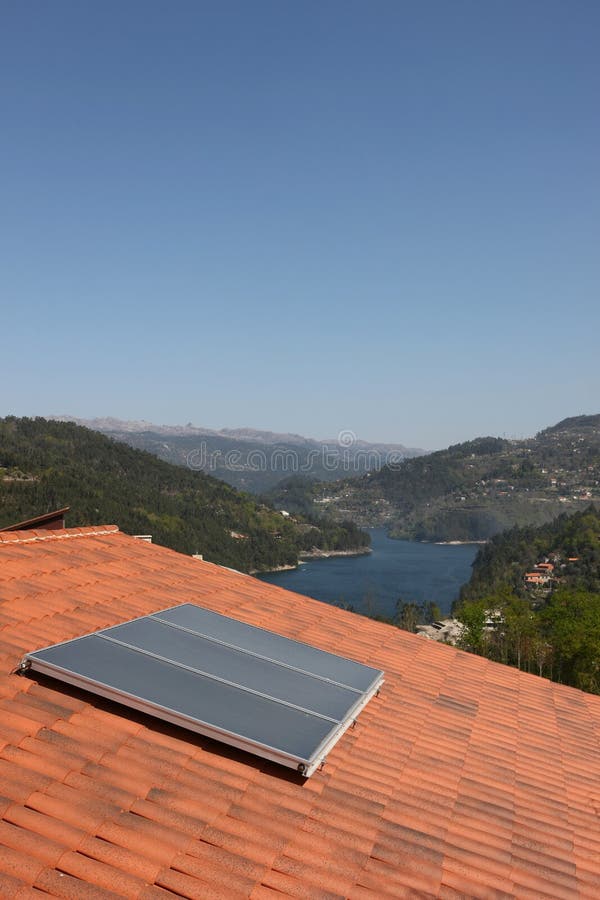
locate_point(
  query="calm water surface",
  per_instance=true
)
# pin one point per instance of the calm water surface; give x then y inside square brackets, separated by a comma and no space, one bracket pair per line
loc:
[373,583]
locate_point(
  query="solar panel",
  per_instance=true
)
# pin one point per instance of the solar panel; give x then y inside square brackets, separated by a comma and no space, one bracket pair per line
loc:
[256,690]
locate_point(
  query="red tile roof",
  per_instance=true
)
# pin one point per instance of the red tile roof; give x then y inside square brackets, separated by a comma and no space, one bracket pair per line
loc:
[464,778]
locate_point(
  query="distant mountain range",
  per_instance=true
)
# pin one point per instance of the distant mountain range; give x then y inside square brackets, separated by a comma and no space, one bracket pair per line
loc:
[46,465]
[470,491]
[248,458]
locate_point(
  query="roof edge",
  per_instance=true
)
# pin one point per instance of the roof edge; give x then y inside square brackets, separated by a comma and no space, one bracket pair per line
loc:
[31,536]
[45,520]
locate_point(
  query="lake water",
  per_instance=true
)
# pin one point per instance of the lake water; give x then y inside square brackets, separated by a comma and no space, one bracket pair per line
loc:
[373,583]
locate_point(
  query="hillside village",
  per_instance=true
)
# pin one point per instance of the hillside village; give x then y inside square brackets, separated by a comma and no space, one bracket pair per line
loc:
[474,490]
[546,575]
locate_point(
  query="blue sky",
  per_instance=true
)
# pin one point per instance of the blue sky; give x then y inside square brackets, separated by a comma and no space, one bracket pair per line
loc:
[312,216]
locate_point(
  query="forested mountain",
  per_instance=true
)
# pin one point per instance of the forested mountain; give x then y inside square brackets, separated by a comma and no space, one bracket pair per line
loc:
[470,491]
[534,600]
[574,425]
[249,459]
[45,465]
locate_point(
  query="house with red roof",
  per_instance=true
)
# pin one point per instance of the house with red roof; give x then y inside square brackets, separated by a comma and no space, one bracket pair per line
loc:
[462,778]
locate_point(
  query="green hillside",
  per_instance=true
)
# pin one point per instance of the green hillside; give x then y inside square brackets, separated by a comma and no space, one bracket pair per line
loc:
[470,491]
[571,543]
[45,465]
[538,590]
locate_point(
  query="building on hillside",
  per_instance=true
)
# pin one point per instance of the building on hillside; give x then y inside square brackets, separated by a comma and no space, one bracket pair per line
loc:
[536,578]
[448,631]
[51,521]
[463,778]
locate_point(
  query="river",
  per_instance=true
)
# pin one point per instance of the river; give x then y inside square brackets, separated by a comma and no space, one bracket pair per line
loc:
[373,583]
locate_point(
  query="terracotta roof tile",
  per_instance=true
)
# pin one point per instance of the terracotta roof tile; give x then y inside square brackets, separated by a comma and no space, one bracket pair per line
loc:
[30,843]
[144,836]
[177,821]
[127,860]
[463,779]
[18,864]
[59,884]
[194,888]
[15,889]
[386,879]
[458,882]
[103,875]
[293,886]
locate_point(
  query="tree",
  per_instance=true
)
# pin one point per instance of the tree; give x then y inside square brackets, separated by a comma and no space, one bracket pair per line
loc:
[520,629]
[431,612]
[408,615]
[473,617]
[571,623]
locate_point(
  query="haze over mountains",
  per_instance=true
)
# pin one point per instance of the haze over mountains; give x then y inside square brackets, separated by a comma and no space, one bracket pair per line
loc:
[467,492]
[249,458]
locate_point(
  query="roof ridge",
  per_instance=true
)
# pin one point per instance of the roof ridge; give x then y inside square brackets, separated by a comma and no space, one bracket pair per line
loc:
[28,537]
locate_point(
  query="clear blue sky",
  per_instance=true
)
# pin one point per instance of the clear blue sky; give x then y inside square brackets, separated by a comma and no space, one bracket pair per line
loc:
[303,216]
